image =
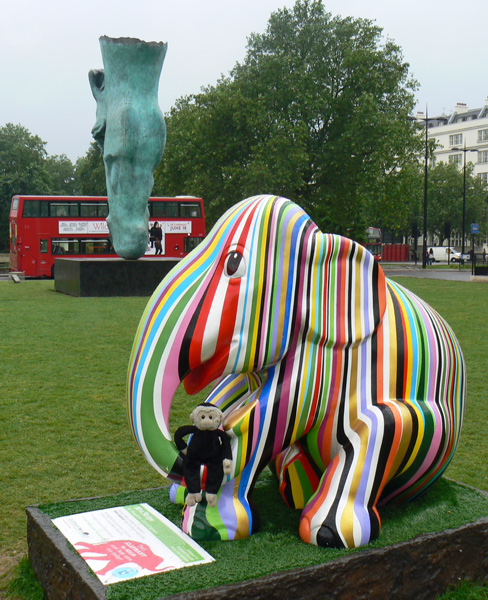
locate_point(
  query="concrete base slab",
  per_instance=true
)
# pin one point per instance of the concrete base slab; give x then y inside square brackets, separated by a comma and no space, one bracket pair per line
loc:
[420,568]
[110,276]
[479,278]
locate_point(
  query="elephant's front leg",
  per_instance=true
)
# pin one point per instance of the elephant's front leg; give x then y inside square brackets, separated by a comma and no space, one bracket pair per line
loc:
[342,512]
[235,516]
[231,394]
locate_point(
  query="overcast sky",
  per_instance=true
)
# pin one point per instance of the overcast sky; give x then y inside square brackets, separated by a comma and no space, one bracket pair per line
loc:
[47,48]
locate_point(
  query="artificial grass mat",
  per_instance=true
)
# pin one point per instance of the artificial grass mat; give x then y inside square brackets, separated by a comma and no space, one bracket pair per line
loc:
[277,546]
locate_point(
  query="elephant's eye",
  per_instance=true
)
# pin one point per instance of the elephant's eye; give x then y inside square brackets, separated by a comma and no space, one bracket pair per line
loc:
[235,265]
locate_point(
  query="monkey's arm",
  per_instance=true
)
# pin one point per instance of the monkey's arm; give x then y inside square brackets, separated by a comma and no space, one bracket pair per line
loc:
[182,432]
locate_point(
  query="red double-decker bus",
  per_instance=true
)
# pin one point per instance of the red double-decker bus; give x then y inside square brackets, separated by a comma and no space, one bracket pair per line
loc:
[45,227]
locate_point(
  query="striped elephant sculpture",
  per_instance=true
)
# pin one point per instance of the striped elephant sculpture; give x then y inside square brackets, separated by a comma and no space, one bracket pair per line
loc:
[349,386]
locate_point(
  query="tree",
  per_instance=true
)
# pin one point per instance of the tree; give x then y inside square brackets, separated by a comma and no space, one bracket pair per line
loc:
[318,111]
[445,200]
[22,170]
[90,173]
[61,174]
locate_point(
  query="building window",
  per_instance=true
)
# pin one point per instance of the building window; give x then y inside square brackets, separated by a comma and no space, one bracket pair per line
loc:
[456,139]
[484,178]
[455,159]
[482,157]
[483,135]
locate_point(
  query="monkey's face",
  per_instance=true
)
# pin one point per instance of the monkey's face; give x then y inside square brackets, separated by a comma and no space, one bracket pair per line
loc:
[206,418]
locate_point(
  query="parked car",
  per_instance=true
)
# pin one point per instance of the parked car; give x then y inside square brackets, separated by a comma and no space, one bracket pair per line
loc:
[444,254]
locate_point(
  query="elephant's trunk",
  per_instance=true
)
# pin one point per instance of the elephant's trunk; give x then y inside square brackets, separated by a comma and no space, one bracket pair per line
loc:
[152,383]
[161,360]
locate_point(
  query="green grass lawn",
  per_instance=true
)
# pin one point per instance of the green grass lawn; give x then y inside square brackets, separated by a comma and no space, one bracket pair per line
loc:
[65,433]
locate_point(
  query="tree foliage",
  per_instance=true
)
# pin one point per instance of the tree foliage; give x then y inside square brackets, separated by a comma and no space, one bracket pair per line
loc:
[445,201]
[318,112]
[23,170]
[61,175]
[26,168]
[90,173]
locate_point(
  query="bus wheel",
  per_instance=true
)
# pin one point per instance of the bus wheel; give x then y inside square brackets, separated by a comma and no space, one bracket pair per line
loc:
[52,272]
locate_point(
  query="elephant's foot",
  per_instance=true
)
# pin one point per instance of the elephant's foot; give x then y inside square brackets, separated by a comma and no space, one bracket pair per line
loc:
[341,513]
[220,517]
[358,529]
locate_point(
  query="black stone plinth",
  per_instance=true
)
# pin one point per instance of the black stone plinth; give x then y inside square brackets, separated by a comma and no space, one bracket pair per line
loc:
[110,276]
[420,568]
[481,271]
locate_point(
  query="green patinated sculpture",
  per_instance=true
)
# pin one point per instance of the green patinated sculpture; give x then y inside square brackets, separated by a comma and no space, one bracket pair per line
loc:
[131,133]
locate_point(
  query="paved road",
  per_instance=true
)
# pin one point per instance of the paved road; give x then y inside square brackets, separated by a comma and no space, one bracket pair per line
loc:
[397,270]
[408,270]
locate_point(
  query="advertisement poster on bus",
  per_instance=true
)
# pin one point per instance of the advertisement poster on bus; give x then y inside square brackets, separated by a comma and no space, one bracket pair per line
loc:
[82,227]
[127,542]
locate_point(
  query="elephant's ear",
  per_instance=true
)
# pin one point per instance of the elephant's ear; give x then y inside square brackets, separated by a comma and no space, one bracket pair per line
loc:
[356,295]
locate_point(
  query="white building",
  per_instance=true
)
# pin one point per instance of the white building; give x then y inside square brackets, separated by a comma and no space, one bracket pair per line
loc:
[466,129]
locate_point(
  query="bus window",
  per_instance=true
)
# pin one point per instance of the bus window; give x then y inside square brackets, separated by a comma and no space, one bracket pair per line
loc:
[43,246]
[93,209]
[171,209]
[65,246]
[15,204]
[35,208]
[192,242]
[95,246]
[164,209]
[64,209]
[88,210]
[31,208]
[190,210]
[157,209]
[13,234]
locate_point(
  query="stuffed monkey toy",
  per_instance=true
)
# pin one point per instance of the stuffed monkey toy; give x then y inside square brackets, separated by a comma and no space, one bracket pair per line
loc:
[208,446]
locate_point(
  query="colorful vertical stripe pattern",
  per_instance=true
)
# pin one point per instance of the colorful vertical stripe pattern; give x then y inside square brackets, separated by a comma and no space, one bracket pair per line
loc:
[348,384]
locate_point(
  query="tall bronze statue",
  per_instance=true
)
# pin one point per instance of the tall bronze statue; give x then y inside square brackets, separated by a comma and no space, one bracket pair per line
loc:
[131,133]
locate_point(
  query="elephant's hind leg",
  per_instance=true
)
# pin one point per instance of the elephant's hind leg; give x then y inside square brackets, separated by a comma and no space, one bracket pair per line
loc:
[342,512]
[298,475]
[335,516]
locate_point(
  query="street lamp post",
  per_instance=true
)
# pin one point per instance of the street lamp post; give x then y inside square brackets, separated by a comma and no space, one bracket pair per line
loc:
[426,171]
[464,150]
